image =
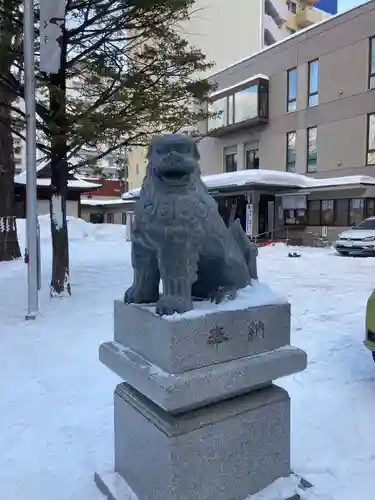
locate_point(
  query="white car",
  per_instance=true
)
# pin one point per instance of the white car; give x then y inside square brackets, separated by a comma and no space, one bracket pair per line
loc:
[360,240]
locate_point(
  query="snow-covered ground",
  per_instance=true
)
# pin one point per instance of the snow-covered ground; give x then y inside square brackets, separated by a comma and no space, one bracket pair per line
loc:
[56,398]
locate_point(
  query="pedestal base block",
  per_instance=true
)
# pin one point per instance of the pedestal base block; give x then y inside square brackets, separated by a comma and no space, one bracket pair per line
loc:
[181,392]
[224,451]
[114,487]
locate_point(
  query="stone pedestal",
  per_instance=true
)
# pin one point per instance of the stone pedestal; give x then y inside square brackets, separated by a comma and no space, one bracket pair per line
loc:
[198,416]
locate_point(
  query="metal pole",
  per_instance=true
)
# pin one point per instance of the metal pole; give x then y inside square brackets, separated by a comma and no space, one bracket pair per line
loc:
[31,192]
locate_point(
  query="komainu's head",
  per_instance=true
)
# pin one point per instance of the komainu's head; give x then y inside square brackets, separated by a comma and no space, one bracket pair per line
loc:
[173,160]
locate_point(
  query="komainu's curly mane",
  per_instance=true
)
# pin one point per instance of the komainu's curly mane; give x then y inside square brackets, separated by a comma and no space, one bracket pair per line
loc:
[179,236]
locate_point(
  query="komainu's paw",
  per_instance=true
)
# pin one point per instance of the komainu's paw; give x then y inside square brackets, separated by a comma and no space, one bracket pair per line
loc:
[170,304]
[221,294]
[134,295]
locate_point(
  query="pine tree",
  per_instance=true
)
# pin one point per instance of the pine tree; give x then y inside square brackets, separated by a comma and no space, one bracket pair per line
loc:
[126,74]
[10,41]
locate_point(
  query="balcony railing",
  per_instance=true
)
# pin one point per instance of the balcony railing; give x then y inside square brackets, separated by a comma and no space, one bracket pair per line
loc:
[310,16]
[245,106]
[277,9]
[273,32]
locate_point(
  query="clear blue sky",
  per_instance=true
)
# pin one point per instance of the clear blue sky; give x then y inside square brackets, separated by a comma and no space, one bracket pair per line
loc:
[348,4]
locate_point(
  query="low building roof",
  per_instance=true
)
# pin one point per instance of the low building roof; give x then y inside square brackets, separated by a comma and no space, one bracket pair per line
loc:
[97,202]
[74,182]
[269,178]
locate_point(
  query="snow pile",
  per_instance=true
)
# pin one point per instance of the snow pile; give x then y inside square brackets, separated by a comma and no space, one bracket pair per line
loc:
[282,489]
[56,401]
[78,230]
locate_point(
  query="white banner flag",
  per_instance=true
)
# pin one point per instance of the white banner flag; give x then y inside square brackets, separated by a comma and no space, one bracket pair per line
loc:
[249,219]
[52,19]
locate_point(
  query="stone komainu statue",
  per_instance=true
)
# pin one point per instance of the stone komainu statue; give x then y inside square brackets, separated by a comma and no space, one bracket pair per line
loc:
[178,236]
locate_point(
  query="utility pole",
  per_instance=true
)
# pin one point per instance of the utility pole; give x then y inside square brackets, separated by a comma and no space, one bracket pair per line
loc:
[31,186]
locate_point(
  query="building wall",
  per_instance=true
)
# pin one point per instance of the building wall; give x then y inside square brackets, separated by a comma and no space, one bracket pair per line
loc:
[110,188]
[136,167]
[342,46]
[116,212]
[71,208]
[226,32]
[302,18]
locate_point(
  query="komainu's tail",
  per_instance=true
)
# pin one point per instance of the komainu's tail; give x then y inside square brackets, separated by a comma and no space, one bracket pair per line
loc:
[249,251]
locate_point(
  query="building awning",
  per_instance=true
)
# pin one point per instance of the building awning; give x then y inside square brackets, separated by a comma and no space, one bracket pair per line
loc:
[271,180]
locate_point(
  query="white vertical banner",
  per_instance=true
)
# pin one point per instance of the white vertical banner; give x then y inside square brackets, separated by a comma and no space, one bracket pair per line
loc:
[249,219]
[52,19]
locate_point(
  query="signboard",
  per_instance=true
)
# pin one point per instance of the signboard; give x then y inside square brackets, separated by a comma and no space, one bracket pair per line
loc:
[249,219]
[52,20]
[294,202]
[324,231]
[271,216]
[130,217]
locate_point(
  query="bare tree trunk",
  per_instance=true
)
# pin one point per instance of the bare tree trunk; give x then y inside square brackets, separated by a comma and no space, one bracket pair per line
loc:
[9,248]
[60,283]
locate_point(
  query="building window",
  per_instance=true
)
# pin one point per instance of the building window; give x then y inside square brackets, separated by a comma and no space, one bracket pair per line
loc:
[252,159]
[291,152]
[109,218]
[292,6]
[230,117]
[328,212]
[372,63]
[341,212]
[246,104]
[250,103]
[356,211]
[291,104]
[313,213]
[220,108]
[231,162]
[96,218]
[311,149]
[294,209]
[123,219]
[263,101]
[295,217]
[313,97]
[370,208]
[371,139]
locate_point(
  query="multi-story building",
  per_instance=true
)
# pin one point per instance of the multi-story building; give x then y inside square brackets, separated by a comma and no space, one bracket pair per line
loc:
[231,31]
[18,155]
[107,167]
[320,90]
[304,106]
[299,18]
